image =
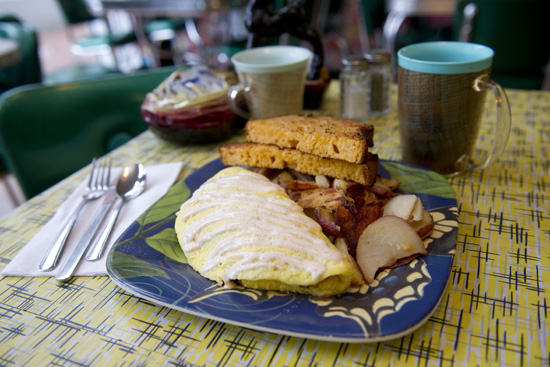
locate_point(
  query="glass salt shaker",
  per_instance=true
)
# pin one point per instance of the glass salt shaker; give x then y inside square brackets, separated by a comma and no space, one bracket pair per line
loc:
[354,88]
[380,80]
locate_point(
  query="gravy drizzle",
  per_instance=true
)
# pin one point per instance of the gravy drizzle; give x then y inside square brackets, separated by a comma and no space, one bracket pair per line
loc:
[254,224]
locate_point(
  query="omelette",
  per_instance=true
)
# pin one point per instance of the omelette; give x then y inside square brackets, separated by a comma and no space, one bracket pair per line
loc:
[240,228]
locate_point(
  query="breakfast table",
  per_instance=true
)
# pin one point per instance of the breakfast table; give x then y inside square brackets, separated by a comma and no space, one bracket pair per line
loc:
[494,311]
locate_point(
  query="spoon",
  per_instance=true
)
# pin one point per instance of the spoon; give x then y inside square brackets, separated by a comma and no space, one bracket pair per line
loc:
[130,184]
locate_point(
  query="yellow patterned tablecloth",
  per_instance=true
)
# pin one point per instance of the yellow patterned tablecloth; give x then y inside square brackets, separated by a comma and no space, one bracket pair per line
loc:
[495,311]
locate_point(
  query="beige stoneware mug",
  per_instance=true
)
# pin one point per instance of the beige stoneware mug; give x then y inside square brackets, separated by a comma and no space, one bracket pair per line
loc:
[441,99]
[272,79]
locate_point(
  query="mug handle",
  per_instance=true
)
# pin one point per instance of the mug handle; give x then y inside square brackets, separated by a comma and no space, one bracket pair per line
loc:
[233,95]
[501,128]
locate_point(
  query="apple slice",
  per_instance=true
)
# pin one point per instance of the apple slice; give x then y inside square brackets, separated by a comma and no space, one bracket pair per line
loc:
[424,226]
[405,207]
[418,210]
[385,241]
[400,206]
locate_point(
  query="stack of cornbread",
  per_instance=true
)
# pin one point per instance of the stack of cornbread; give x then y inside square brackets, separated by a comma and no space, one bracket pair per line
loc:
[314,145]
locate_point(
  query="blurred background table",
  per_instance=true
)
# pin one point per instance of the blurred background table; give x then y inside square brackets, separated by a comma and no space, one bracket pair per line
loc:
[495,311]
[182,16]
[399,10]
[165,7]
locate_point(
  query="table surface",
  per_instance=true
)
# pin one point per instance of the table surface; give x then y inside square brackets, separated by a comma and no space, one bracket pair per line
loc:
[495,311]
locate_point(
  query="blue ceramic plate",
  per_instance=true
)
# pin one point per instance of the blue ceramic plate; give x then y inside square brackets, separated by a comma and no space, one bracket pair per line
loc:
[148,262]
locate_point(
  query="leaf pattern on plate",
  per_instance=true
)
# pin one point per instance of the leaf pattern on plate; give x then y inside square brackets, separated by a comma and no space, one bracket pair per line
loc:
[415,181]
[164,243]
[169,203]
[216,290]
[129,266]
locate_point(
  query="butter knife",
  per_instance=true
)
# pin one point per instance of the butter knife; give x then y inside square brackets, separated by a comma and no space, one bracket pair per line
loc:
[98,246]
[67,269]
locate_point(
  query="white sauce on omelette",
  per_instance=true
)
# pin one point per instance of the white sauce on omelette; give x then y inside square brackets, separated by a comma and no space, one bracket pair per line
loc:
[244,210]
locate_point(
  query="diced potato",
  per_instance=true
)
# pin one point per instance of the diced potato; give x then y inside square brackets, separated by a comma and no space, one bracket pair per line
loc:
[322,181]
[283,179]
[391,183]
[341,184]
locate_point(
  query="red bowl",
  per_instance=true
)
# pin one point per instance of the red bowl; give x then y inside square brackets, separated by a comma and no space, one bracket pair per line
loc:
[206,121]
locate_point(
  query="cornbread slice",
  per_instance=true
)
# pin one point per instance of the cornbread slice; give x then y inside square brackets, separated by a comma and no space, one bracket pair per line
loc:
[324,136]
[271,156]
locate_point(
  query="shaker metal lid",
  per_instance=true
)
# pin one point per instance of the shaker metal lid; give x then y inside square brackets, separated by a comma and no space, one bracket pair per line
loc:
[355,62]
[378,56]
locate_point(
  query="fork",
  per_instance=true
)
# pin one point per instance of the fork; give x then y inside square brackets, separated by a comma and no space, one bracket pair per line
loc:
[98,183]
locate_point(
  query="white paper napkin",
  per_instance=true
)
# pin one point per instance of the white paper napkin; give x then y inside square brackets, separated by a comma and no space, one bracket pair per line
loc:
[159,179]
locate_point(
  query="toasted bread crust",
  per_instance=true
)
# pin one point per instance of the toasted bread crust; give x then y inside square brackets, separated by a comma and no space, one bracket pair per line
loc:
[271,156]
[326,137]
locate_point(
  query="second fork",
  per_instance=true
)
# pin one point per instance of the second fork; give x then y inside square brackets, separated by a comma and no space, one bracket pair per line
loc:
[98,183]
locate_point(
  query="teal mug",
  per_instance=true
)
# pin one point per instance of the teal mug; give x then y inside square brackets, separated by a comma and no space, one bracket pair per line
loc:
[441,102]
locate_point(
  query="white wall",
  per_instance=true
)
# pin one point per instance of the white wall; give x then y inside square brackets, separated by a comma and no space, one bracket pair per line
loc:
[42,15]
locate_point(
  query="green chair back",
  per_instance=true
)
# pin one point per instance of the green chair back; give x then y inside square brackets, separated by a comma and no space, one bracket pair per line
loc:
[519,33]
[49,132]
[75,11]
[27,70]
[374,14]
